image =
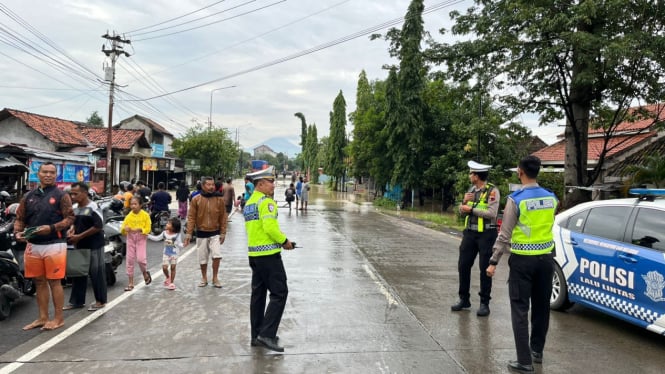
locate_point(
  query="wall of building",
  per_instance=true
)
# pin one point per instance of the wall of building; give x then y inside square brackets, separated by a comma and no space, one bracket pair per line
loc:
[15,131]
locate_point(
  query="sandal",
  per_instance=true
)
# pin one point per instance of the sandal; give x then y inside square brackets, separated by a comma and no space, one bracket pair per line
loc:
[171,286]
[94,307]
[203,284]
[70,307]
[129,288]
[149,279]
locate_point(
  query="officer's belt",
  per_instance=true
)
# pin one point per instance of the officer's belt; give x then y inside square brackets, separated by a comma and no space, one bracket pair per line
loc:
[474,226]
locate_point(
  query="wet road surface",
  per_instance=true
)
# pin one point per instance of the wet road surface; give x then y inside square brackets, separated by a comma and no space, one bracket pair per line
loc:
[368,294]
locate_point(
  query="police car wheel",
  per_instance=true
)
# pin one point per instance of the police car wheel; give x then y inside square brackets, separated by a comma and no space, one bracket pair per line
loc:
[559,299]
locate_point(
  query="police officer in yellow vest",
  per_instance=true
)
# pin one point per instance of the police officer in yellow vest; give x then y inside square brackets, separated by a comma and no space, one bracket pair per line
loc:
[526,231]
[265,241]
[479,209]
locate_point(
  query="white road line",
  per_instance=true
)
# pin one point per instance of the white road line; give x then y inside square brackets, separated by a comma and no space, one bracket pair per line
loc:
[80,324]
[382,288]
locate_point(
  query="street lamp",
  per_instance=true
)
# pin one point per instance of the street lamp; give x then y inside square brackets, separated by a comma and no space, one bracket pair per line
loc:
[211,91]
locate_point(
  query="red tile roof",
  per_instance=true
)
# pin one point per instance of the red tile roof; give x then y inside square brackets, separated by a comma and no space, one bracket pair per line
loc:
[617,144]
[122,140]
[641,124]
[62,132]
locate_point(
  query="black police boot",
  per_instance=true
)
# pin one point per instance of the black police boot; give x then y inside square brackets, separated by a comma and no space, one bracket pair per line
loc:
[483,311]
[461,304]
[270,343]
[537,357]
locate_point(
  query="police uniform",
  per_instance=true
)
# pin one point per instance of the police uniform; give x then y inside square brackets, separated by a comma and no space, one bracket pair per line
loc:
[265,241]
[527,231]
[479,234]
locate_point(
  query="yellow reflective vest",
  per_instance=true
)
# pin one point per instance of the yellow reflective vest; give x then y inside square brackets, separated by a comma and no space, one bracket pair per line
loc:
[264,237]
[532,235]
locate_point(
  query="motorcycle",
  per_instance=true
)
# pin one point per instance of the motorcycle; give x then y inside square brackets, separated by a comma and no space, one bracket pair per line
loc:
[116,244]
[4,195]
[13,283]
[159,221]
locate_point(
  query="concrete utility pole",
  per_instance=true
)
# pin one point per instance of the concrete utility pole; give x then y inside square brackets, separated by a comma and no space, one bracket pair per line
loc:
[116,50]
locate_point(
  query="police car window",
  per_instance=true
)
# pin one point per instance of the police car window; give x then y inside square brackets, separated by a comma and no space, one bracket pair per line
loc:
[649,229]
[576,221]
[607,222]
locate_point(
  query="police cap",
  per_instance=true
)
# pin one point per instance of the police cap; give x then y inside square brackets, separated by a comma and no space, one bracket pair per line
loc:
[268,173]
[476,167]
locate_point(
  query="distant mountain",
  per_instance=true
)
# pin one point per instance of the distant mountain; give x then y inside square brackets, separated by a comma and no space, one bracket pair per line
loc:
[279,144]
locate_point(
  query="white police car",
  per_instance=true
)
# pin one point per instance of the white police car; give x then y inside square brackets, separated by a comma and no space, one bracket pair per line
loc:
[610,256]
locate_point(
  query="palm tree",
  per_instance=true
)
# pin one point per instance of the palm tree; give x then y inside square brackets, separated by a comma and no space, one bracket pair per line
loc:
[652,171]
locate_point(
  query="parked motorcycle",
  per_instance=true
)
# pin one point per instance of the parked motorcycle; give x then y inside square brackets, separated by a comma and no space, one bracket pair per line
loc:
[13,283]
[116,244]
[4,195]
[159,221]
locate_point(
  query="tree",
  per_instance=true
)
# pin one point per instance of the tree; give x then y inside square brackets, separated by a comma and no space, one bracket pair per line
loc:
[407,126]
[303,129]
[361,134]
[95,120]
[336,165]
[564,60]
[214,149]
[311,151]
[652,172]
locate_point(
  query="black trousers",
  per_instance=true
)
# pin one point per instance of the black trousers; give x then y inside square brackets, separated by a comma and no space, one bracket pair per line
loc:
[97,275]
[530,281]
[268,274]
[474,244]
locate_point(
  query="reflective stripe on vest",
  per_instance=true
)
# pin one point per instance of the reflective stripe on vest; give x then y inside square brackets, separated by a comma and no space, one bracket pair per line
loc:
[481,204]
[532,235]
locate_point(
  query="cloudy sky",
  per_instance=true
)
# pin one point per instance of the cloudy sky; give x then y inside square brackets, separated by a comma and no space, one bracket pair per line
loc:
[51,61]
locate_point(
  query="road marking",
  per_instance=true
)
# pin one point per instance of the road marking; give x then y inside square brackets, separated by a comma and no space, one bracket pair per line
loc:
[81,324]
[389,296]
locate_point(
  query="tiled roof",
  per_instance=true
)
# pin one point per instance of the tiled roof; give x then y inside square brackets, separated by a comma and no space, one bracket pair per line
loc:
[122,140]
[638,158]
[557,151]
[152,124]
[656,110]
[62,132]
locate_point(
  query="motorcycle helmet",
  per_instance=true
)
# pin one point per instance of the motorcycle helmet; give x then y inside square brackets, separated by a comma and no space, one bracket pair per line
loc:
[11,210]
[116,205]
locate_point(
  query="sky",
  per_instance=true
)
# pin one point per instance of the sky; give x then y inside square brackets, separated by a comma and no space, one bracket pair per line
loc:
[244,61]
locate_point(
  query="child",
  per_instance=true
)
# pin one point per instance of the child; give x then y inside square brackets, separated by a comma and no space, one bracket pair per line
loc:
[172,246]
[290,194]
[136,226]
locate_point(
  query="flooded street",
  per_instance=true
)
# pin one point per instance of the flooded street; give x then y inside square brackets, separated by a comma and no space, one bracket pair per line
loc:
[368,293]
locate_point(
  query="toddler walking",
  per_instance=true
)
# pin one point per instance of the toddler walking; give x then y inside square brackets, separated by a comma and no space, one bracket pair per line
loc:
[172,246]
[136,226]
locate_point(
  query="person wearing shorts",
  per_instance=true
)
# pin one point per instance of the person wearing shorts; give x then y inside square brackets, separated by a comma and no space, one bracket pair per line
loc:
[207,213]
[42,219]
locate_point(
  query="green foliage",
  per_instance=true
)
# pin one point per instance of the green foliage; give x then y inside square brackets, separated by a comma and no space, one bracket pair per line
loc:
[215,150]
[384,202]
[95,120]
[336,165]
[563,60]
[652,172]
[303,129]
[311,151]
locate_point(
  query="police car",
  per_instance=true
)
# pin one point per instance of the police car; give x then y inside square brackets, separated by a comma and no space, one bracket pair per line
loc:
[610,256]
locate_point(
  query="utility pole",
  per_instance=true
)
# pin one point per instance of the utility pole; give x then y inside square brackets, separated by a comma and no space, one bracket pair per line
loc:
[115,42]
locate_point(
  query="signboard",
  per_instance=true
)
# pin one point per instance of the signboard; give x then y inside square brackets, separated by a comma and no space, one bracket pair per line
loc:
[192,165]
[68,173]
[100,166]
[149,164]
[157,150]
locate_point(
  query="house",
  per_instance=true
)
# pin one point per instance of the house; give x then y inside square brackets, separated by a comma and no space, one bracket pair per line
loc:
[628,144]
[78,151]
[264,150]
[162,163]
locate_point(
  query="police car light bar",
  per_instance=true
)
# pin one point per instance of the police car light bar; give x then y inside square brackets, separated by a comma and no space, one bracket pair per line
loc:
[647,191]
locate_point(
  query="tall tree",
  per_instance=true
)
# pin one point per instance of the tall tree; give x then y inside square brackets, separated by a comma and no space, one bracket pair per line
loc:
[214,149]
[361,135]
[311,151]
[95,120]
[337,143]
[303,129]
[562,59]
[407,137]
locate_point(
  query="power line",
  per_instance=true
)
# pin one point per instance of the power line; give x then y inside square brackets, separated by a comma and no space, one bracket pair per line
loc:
[176,18]
[311,50]
[254,37]
[194,20]
[212,23]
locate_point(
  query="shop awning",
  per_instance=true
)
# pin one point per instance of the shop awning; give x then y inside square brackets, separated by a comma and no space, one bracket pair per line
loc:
[9,161]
